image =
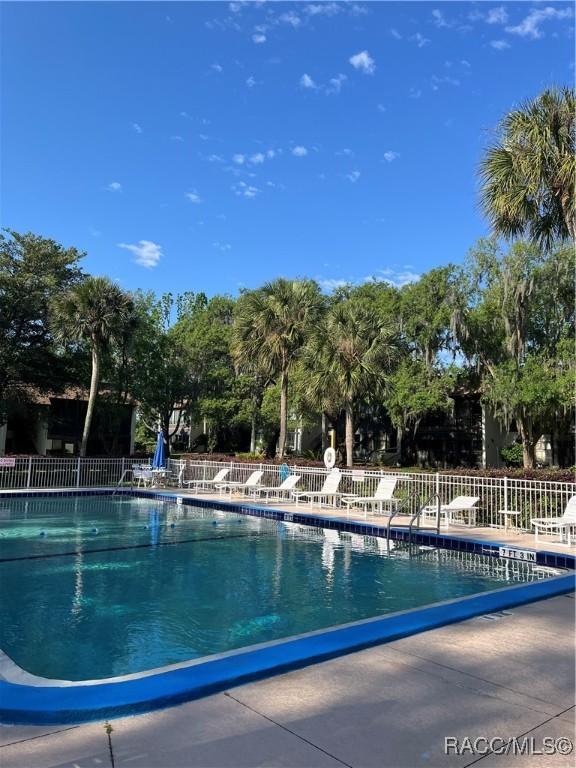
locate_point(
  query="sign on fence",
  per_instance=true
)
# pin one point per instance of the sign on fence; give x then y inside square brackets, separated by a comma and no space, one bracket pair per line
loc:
[6,461]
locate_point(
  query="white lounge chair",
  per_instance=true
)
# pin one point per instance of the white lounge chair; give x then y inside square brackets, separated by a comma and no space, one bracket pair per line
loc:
[329,490]
[237,485]
[141,475]
[453,512]
[278,492]
[564,526]
[211,483]
[383,498]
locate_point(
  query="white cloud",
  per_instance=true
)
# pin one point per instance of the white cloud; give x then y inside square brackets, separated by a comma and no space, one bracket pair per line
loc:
[239,159]
[420,40]
[346,152]
[364,62]
[307,82]
[530,26]
[497,15]
[499,45]
[331,283]
[335,84]
[244,190]
[299,151]
[215,159]
[380,107]
[194,197]
[257,159]
[258,38]
[114,186]
[322,9]
[216,67]
[146,253]
[390,156]
[251,82]
[398,278]
[395,34]
[176,138]
[290,18]
[415,93]
[439,19]
[222,246]
[353,176]
[271,153]
[137,127]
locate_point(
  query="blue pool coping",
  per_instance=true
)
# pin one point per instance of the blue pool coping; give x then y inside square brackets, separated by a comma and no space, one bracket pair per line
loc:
[75,703]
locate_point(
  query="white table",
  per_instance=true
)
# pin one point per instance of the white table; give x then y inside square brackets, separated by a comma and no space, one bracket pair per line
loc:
[508,514]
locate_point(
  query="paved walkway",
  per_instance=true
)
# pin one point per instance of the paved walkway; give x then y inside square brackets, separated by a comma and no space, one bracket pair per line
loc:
[508,676]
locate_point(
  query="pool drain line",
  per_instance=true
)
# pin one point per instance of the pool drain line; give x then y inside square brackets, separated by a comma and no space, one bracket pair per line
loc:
[148,545]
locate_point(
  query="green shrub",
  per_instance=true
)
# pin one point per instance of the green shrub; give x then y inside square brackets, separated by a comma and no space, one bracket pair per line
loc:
[512,455]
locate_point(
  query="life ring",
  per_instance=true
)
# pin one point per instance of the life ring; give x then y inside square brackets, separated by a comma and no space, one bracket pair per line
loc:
[329,458]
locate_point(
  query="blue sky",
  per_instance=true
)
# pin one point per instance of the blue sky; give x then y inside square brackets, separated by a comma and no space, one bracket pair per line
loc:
[212,146]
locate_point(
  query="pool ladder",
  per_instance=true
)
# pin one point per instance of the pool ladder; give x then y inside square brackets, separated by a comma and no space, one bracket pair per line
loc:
[414,523]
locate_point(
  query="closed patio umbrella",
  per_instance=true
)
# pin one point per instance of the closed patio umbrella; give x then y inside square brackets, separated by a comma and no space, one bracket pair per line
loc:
[159,460]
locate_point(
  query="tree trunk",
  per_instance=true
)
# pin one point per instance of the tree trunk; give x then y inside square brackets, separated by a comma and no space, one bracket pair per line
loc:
[400,445]
[253,434]
[165,426]
[94,381]
[529,440]
[324,433]
[349,434]
[283,414]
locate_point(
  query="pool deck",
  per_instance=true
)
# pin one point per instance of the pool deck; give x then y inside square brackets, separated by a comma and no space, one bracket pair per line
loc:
[510,537]
[389,707]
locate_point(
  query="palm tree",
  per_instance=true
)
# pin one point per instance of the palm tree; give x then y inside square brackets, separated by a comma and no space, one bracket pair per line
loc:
[95,312]
[350,356]
[271,326]
[528,176]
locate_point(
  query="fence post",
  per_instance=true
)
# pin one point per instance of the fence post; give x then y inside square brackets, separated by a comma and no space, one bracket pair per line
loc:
[506,493]
[438,483]
[78,473]
[29,472]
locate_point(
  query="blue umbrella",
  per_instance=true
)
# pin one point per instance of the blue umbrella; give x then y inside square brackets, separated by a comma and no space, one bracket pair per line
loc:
[159,460]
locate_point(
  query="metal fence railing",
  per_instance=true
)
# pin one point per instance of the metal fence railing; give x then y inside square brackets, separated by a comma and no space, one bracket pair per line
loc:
[532,498]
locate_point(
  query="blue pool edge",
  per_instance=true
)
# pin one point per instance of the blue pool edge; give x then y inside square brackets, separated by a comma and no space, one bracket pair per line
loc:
[75,703]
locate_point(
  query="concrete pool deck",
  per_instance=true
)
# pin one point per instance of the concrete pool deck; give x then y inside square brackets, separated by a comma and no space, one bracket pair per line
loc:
[509,537]
[508,676]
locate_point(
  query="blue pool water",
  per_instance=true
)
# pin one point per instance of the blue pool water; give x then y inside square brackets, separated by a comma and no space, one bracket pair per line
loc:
[92,587]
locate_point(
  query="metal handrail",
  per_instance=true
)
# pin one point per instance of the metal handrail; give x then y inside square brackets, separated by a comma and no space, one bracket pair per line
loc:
[397,511]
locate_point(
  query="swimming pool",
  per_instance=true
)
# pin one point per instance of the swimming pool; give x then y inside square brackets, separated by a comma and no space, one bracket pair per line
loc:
[177,601]
[95,587]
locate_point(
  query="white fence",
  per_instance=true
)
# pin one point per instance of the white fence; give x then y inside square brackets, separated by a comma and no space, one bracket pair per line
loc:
[533,498]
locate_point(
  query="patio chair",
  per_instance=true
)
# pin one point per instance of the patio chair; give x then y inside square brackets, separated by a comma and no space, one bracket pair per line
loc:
[211,483]
[142,476]
[383,497]
[277,492]
[453,512]
[329,490]
[564,526]
[233,485]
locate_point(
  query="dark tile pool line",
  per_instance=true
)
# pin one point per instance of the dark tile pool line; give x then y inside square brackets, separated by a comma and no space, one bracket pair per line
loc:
[48,705]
